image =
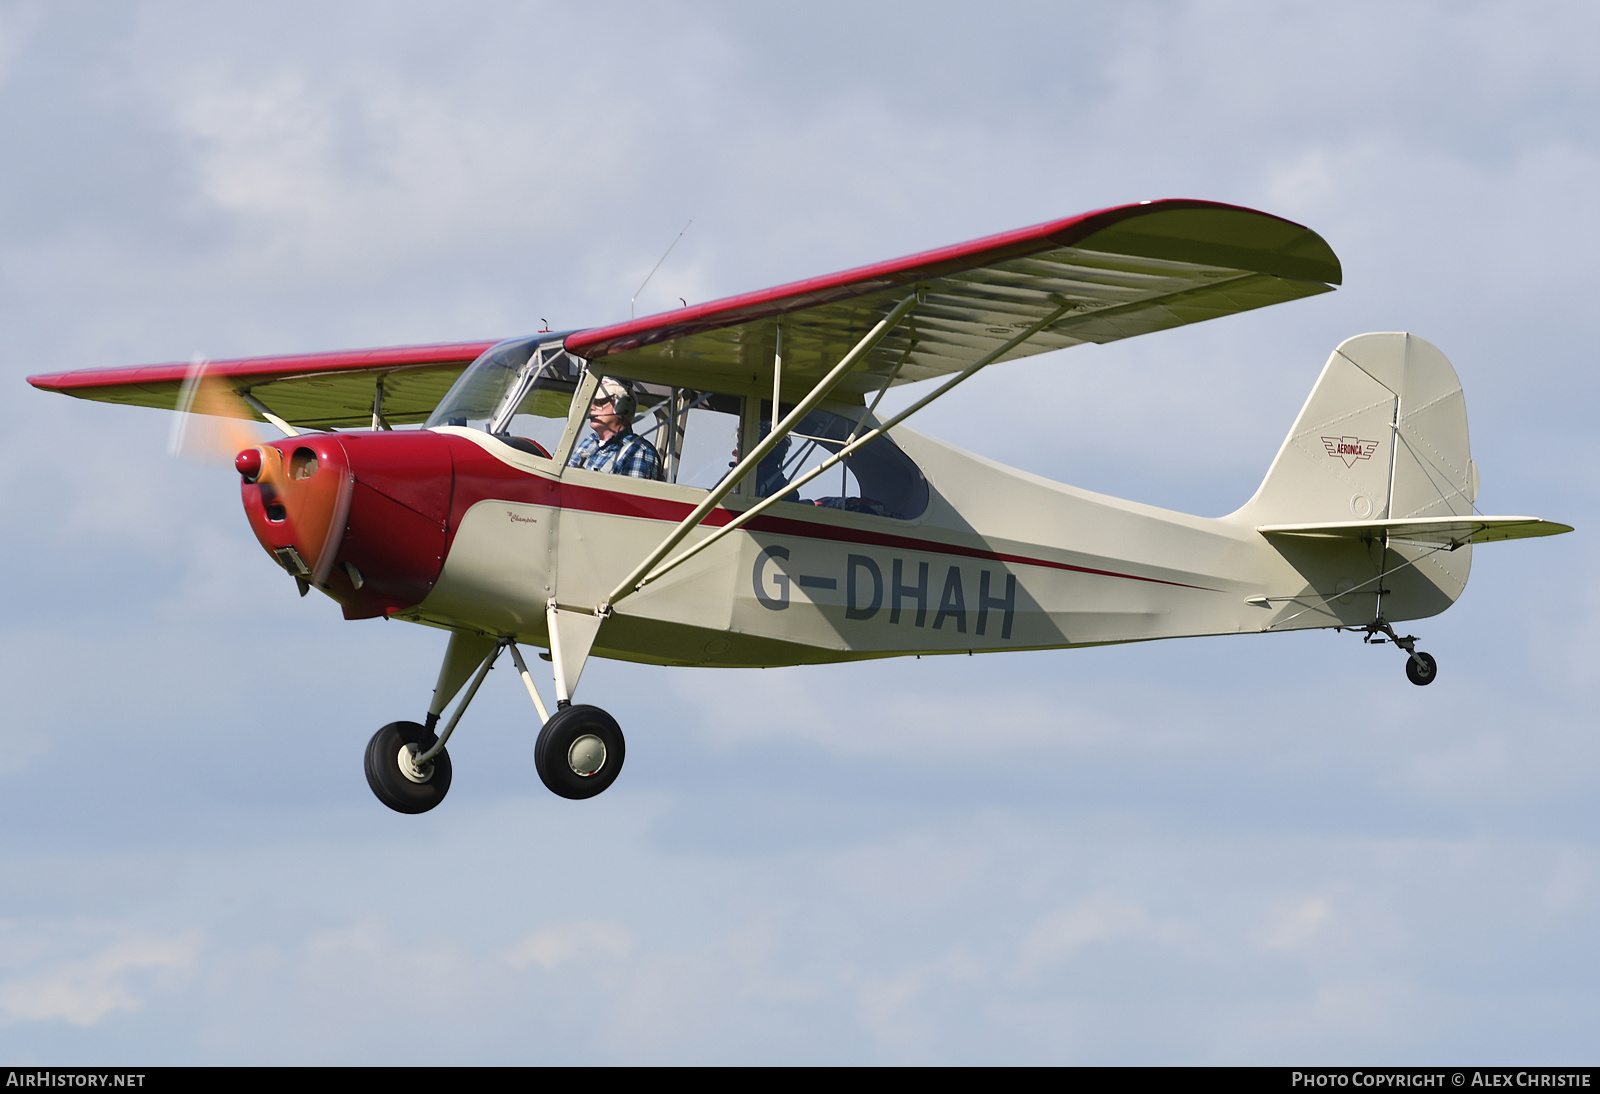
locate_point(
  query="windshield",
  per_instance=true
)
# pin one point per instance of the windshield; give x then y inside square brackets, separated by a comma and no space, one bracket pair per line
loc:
[520,391]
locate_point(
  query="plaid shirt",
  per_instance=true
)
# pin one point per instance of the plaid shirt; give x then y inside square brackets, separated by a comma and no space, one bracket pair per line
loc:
[624,454]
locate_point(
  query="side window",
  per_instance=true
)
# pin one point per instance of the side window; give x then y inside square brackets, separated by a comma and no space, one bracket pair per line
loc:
[706,439]
[696,433]
[696,436]
[877,478]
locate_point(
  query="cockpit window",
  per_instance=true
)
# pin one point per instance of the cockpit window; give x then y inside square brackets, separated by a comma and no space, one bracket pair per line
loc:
[520,391]
[877,478]
[696,436]
[696,432]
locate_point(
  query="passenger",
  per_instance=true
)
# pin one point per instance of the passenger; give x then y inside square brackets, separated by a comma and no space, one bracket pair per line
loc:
[613,446]
[770,476]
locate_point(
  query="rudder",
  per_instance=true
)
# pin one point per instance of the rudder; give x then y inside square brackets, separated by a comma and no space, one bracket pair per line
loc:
[1383,436]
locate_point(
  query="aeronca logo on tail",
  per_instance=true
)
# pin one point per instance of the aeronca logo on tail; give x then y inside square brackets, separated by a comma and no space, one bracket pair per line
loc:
[1349,449]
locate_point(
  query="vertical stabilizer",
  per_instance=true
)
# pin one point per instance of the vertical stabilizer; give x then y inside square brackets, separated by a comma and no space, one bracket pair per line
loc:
[1383,436]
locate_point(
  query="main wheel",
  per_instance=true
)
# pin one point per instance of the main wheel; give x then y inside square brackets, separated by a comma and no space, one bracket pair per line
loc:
[1424,673]
[579,751]
[397,781]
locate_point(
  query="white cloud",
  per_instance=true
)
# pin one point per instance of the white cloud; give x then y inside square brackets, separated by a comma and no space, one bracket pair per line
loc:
[1101,917]
[18,24]
[902,1010]
[1307,183]
[1294,926]
[82,991]
[585,941]
[372,171]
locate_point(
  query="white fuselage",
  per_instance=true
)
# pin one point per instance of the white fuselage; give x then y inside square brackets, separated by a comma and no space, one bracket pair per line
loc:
[1000,559]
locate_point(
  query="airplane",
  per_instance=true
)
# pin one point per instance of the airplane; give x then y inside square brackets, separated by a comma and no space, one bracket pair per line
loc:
[834,533]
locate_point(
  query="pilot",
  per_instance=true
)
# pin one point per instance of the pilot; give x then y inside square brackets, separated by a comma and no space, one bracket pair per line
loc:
[613,446]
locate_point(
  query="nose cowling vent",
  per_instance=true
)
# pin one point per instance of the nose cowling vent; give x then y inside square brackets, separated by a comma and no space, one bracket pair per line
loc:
[298,502]
[363,517]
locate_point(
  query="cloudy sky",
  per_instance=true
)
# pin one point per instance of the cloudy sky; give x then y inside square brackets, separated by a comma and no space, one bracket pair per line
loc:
[1246,850]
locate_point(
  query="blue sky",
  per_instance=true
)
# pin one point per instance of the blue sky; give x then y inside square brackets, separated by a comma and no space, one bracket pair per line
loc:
[1247,850]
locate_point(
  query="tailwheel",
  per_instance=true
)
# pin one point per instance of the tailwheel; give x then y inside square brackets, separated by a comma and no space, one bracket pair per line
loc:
[1421,669]
[579,751]
[395,777]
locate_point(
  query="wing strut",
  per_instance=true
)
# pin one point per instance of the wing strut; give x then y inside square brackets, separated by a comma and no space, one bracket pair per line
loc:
[378,420]
[759,452]
[261,408]
[866,438]
[777,371]
[209,393]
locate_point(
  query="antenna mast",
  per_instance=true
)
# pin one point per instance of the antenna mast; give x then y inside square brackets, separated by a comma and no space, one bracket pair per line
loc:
[656,267]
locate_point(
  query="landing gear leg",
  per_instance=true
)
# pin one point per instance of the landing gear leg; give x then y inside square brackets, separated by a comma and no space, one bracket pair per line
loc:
[1421,668]
[527,682]
[406,763]
[580,749]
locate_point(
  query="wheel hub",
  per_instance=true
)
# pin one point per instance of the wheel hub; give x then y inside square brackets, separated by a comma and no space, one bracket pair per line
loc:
[407,762]
[587,755]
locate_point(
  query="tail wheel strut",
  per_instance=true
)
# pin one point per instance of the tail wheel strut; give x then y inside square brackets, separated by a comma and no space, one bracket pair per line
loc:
[1421,668]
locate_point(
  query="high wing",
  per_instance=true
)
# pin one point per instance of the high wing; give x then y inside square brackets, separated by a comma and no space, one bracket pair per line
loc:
[1097,277]
[316,390]
[1120,272]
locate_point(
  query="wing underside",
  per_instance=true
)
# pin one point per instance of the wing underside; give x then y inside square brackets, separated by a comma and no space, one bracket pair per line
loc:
[1120,272]
[1104,276]
[313,391]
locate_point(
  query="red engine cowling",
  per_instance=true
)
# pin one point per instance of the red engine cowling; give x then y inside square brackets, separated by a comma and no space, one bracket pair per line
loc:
[363,516]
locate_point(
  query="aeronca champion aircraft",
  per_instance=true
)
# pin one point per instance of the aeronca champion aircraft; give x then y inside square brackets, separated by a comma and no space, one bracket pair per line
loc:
[573,491]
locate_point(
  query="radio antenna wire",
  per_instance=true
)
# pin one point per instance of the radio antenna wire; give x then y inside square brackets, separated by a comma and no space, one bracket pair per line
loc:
[656,267]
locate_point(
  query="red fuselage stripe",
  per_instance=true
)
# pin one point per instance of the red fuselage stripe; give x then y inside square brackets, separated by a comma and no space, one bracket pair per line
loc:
[591,500]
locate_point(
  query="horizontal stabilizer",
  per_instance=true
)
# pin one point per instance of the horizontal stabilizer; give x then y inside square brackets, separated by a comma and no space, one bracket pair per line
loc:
[1450,531]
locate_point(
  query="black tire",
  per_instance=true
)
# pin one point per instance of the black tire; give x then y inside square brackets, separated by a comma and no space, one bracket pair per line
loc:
[383,769]
[1424,674]
[553,752]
